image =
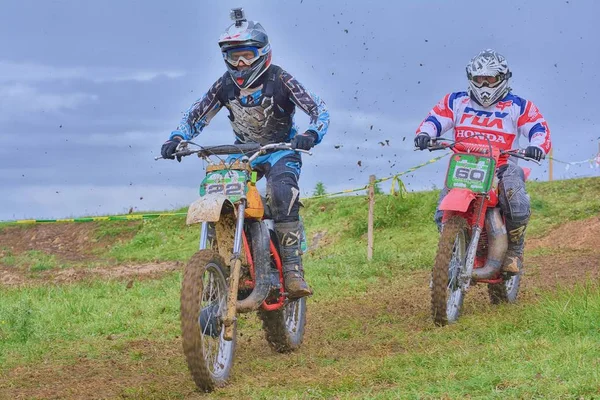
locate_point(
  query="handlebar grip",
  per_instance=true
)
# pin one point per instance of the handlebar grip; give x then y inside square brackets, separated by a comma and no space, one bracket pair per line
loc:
[183,153]
[521,154]
[437,147]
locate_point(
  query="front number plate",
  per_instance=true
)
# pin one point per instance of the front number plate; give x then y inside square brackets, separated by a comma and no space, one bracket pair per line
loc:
[468,171]
[231,183]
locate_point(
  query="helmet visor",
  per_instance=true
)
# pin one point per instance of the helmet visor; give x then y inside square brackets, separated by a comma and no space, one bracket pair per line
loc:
[489,81]
[247,55]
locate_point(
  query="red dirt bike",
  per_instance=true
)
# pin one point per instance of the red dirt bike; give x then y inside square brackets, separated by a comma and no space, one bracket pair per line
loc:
[473,240]
[238,268]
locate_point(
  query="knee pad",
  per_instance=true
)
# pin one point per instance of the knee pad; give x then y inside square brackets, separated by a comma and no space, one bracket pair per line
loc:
[514,200]
[284,197]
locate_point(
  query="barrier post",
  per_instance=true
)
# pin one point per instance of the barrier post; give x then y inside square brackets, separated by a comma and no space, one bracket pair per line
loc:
[550,162]
[371,211]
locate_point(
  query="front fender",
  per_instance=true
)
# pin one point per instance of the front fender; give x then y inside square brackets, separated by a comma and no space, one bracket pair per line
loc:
[457,200]
[207,208]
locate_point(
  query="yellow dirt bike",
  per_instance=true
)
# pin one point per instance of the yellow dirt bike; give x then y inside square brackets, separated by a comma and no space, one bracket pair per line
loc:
[238,268]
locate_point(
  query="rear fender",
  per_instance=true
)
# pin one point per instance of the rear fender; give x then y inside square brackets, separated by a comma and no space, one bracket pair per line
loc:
[457,200]
[208,209]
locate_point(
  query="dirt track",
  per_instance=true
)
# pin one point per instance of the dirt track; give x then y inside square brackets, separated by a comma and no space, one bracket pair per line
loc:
[68,242]
[568,255]
[12,277]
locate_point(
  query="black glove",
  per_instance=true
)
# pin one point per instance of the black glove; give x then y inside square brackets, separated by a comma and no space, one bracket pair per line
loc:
[169,148]
[422,140]
[304,141]
[534,152]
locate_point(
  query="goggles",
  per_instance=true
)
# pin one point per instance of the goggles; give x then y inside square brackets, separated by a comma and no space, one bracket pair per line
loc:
[246,54]
[489,81]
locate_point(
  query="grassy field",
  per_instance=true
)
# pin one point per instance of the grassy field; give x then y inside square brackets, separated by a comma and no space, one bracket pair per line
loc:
[368,336]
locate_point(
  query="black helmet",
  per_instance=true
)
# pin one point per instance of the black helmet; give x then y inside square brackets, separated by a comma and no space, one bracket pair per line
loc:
[247,41]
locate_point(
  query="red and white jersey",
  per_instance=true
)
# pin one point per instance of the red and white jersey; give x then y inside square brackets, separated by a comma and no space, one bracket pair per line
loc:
[501,123]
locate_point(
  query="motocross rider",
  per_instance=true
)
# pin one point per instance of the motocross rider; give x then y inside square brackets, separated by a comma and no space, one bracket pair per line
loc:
[490,111]
[261,99]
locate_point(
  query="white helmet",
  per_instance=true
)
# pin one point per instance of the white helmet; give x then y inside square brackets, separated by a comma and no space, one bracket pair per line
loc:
[488,75]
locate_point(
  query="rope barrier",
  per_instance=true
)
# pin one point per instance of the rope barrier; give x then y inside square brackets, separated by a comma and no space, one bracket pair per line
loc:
[129,217]
[593,162]
[396,182]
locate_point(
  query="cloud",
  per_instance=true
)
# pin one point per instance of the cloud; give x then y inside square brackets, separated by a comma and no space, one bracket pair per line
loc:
[29,72]
[37,201]
[17,99]
[140,139]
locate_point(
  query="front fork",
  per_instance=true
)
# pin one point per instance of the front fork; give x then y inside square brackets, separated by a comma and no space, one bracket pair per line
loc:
[234,275]
[465,276]
[205,232]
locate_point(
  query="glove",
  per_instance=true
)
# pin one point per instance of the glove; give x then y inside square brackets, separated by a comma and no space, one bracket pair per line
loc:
[304,141]
[422,140]
[534,152]
[169,148]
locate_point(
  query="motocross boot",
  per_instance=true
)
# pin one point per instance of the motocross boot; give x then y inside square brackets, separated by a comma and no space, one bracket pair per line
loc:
[290,236]
[513,260]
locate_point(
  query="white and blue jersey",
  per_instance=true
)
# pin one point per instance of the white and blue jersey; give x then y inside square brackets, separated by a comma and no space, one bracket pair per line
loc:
[499,124]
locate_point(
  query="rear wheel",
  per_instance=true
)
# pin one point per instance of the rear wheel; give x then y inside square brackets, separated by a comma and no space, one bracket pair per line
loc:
[505,292]
[203,305]
[446,294]
[284,328]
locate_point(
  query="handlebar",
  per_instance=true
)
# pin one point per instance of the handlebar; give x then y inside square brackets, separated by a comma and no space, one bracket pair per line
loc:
[478,148]
[229,149]
[519,153]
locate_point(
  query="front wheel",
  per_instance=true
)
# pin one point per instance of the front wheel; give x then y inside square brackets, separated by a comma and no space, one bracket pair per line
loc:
[203,306]
[446,294]
[505,292]
[284,328]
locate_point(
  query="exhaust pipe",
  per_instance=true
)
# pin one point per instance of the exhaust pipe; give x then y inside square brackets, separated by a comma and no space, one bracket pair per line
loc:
[497,245]
[261,255]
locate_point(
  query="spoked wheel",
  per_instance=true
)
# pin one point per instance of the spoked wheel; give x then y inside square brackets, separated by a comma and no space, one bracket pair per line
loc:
[284,328]
[203,305]
[505,292]
[446,294]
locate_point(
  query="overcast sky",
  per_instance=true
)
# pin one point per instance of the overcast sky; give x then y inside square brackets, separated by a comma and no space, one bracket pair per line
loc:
[89,90]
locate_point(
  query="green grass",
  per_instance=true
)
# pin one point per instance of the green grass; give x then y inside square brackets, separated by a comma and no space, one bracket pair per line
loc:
[406,236]
[164,239]
[62,321]
[548,349]
[4,225]
[404,228]
[405,239]
[115,229]
[544,349]
[7,257]
[553,203]
[33,260]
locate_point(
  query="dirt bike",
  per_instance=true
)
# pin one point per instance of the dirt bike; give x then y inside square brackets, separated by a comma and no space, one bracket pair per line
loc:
[473,239]
[238,268]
